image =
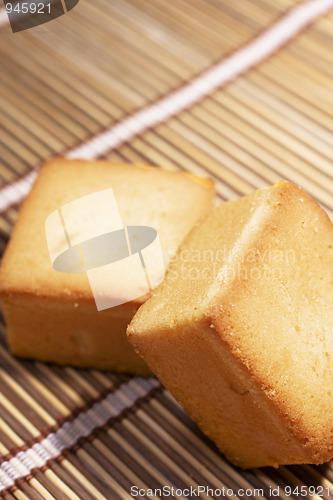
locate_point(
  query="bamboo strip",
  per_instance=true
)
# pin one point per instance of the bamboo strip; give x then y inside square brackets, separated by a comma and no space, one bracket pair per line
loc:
[100,471]
[135,39]
[46,495]
[13,410]
[14,423]
[10,433]
[73,395]
[8,496]
[5,226]
[26,488]
[192,438]
[175,159]
[268,160]
[142,76]
[15,146]
[150,150]
[282,91]
[319,478]
[325,26]
[274,74]
[139,457]
[257,141]
[51,87]
[88,473]
[38,97]
[294,480]
[20,495]
[82,382]
[83,480]
[3,449]
[312,49]
[259,123]
[37,130]
[9,154]
[271,484]
[26,138]
[21,393]
[190,459]
[219,165]
[10,215]
[7,176]
[121,466]
[322,136]
[219,148]
[96,384]
[201,31]
[255,113]
[241,146]
[52,488]
[34,382]
[103,379]
[60,485]
[260,12]
[84,68]
[299,69]
[123,49]
[160,454]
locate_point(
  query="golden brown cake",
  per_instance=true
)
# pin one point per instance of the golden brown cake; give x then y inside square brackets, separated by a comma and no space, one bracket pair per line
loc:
[241,329]
[51,315]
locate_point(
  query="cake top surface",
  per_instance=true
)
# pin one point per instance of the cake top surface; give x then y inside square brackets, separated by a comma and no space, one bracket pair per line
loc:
[169,202]
[279,226]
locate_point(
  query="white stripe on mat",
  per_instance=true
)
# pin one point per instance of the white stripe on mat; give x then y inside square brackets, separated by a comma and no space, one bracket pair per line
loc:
[234,65]
[82,426]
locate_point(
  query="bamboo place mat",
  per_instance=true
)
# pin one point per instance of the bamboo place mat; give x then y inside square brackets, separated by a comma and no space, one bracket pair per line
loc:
[240,91]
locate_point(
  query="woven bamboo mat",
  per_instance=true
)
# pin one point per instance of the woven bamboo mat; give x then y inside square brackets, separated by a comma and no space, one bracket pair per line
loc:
[154,82]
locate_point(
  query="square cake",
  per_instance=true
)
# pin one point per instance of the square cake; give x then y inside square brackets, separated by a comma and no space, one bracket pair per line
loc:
[241,329]
[45,285]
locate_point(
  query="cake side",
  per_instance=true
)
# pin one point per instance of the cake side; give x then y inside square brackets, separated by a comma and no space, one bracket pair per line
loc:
[230,353]
[278,318]
[72,333]
[220,394]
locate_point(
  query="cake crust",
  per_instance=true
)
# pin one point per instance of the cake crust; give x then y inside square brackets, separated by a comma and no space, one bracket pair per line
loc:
[52,316]
[247,349]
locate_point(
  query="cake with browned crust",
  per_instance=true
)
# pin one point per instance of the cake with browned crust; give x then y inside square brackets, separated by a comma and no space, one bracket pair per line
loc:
[52,315]
[241,329]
